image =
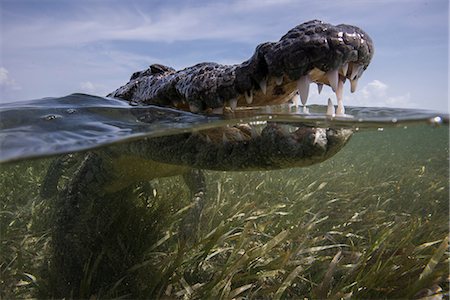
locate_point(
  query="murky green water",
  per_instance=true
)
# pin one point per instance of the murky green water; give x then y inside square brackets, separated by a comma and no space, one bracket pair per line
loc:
[370,222]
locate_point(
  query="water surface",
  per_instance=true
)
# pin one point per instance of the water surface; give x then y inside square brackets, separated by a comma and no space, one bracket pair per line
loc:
[50,126]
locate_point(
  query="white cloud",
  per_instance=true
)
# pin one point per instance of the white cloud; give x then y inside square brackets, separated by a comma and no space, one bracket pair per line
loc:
[377,93]
[6,81]
[89,87]
[211,21]
[376,87]
[372,92]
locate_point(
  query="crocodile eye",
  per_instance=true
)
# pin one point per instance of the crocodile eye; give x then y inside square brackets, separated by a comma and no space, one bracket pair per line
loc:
[158,69]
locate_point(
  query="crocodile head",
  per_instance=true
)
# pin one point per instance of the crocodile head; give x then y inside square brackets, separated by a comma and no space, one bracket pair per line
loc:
[311,52]
[278,72]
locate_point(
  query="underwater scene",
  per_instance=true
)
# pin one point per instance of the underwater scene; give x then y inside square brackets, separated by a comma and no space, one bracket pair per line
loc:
[98,201]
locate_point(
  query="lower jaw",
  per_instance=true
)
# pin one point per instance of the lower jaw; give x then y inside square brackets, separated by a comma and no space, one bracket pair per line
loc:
[274,146]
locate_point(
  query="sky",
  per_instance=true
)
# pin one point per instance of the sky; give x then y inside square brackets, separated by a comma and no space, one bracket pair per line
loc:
[58,47]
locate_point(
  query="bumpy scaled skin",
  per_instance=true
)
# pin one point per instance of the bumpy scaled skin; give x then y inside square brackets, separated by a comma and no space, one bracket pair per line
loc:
[269,77]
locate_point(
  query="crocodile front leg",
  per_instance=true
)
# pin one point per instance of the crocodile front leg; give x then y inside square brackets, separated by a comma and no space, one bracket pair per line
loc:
[88,224]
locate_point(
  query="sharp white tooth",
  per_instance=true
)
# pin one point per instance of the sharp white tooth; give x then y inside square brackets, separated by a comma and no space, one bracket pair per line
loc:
[263,85]
[340,89]
[279,80]
[344,69]
[333,78]
[194,108]
[353,85]
[303,88]
[233,103]
[330,108]
[319,87]
[295,100]
[249,96]
[340,109]
[355,71]
[218,111]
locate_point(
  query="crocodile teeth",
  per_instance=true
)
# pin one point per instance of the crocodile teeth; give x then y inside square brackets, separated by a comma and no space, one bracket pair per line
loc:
[333,78]
[319,87]
[249,96]
[194,108]
[218,111]
[344,69]
[263,85]
[340,109]
[340,89]
[330,108]
[303,88]
[233,103]
[353,85]
[356,70]
[279,80]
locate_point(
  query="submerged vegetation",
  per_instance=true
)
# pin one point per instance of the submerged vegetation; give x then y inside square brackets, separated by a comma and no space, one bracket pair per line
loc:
[372,222]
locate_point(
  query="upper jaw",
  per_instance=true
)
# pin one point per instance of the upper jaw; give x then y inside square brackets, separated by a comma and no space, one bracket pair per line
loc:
[311,52]
[315,44]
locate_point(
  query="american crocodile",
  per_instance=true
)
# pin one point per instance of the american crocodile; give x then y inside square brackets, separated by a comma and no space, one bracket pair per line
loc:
[313,52]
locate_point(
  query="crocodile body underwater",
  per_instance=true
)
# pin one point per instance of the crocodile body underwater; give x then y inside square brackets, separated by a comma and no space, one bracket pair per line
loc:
[313,52]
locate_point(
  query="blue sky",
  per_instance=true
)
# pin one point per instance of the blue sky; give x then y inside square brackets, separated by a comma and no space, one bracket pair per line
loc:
[58,47]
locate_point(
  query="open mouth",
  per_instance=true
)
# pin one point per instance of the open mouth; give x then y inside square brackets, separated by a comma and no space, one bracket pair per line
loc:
[335,79]
[275,90]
